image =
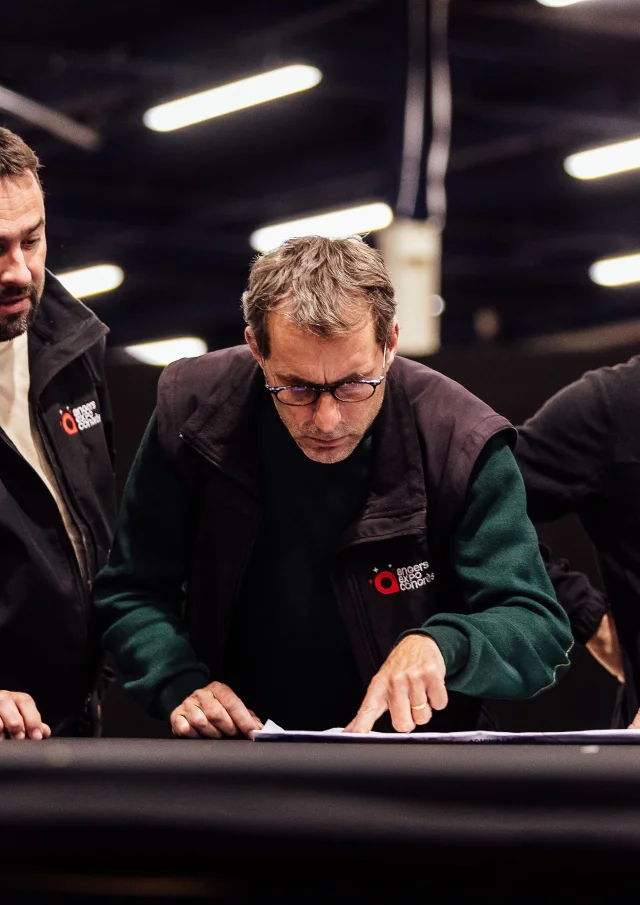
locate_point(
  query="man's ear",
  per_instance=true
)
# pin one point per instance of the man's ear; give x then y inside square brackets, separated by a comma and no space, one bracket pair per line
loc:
[392,345]
[250,340]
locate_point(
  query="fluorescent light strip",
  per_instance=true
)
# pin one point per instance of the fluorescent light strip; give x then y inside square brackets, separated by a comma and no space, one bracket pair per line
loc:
[605,161]
[616,271]
[92,280]
[335,224]
[165,351]
[557,3]
[227,98]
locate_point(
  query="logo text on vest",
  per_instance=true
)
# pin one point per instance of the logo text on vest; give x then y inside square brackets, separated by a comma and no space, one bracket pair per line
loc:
[405,578]
[80,418]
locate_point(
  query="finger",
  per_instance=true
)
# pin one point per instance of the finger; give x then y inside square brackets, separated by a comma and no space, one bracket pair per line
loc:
[371,709]
[197,719]
[420,710]
[400,704]
[243,719]
[30,715]
[46,731]
[257,719]
[181,727]
[214,712]
[11,718]
[436,689]
[636,722]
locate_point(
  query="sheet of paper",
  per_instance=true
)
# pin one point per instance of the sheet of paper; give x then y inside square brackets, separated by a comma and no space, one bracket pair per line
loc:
[274,733]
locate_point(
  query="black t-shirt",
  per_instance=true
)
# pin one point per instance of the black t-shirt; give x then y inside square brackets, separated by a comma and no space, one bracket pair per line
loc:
[288,655]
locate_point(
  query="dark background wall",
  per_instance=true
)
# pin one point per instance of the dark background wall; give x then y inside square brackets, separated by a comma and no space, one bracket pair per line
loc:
[515,383]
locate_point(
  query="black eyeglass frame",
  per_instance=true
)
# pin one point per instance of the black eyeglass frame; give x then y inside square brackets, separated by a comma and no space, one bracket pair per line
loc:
[330,388]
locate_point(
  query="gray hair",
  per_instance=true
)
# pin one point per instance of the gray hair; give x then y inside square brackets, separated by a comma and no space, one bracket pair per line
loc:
[327,286]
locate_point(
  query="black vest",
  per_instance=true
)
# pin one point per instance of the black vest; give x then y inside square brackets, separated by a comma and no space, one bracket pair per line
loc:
[392,570]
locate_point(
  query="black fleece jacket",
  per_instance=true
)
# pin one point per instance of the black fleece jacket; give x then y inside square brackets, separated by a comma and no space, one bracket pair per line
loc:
[48,644]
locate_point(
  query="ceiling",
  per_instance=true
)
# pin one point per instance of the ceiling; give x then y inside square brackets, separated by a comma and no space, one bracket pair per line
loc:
[175,210]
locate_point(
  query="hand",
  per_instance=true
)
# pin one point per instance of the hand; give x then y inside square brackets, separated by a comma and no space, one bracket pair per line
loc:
[605,647]
[20,718]
[636,722]
[213,712]
[410,684]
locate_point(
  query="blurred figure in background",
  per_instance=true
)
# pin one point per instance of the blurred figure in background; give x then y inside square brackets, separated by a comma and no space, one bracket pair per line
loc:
[319,532]
[580,453]
[57,496]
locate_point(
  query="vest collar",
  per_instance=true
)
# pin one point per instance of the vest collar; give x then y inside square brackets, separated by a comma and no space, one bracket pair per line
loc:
[223,429]
[63,329]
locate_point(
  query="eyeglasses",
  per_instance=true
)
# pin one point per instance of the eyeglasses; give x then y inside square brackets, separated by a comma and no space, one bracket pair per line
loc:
[352,391]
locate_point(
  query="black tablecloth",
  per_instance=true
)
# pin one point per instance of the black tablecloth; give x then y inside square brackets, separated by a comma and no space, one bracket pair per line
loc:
[244,815]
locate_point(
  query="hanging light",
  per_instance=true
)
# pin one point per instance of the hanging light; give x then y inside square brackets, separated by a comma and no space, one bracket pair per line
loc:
[363,218]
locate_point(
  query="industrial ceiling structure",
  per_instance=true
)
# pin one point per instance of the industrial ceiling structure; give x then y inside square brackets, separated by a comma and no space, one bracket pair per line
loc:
[175,210]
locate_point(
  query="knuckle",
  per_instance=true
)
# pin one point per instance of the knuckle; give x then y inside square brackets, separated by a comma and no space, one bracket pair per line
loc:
[199,719]
[397,680]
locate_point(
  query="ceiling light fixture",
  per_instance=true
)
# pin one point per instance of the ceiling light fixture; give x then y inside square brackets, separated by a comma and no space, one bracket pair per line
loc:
[235,96]
[91,280]
[164,351]
[559,2]
[605,161]
[616,271]
[334,224]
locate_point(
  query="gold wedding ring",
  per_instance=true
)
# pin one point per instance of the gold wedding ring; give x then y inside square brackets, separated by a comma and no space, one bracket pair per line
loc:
[418,706]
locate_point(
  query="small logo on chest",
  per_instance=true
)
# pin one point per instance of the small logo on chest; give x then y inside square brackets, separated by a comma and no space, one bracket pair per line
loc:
[80,418]
[406,578]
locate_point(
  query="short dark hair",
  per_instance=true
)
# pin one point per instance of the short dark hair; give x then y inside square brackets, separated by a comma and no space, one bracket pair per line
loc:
[16,157]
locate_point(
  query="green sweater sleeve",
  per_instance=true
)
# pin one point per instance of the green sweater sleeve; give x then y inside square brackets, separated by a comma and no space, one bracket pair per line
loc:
[515,639]
[139,594]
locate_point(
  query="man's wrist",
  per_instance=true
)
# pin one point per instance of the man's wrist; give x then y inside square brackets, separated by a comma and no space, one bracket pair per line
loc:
[179,688]
[452,644]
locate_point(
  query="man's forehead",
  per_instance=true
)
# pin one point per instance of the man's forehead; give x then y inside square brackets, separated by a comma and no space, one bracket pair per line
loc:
[297,352]
[20,199]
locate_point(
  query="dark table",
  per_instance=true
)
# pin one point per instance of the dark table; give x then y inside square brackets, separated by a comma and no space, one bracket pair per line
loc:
[303,820]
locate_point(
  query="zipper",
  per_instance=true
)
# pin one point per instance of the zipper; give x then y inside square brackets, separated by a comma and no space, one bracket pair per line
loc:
[64,491]
[363,625]
[247,557]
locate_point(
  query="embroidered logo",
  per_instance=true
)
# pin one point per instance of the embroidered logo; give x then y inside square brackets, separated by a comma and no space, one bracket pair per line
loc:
[406,578]
[80,418]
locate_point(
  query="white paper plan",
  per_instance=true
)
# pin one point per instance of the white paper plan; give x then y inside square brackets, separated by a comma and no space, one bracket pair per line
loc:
[274,733]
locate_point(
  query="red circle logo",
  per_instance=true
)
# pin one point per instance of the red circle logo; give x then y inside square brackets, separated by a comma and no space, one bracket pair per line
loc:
[68,423]
[386,583]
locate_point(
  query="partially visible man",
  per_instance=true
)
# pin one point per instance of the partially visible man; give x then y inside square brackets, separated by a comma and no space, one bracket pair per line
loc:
[56,473]
[322,533]
[580,453]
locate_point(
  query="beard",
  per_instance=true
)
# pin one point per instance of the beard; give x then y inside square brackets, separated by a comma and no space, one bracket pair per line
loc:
[15,324]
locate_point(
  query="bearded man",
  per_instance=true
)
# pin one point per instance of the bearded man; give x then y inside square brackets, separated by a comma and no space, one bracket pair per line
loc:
[57,499]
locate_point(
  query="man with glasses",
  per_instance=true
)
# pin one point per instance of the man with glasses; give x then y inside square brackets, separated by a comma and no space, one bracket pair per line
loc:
[321,533]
